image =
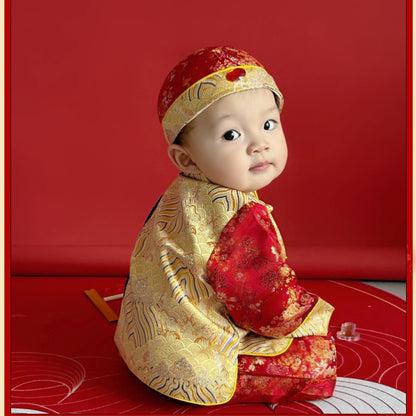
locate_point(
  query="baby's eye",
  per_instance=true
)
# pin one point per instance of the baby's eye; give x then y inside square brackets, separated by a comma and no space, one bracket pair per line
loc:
[269,125]
[231,135]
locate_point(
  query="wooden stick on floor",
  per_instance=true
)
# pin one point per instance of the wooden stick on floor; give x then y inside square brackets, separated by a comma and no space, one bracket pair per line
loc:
[101,305]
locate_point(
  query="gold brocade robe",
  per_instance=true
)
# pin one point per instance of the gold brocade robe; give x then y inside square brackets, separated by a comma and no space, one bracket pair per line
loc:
[174,333]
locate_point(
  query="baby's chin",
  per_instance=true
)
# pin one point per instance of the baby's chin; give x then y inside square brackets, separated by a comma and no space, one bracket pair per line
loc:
[261,185]
[256,188]
[249,186]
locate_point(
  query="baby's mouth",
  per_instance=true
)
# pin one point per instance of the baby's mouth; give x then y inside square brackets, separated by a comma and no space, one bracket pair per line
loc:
[260,166]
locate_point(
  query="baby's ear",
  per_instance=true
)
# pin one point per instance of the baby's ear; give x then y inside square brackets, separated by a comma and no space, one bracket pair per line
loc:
[182,159]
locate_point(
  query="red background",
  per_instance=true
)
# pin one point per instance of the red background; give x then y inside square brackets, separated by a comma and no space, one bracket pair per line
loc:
[88,157]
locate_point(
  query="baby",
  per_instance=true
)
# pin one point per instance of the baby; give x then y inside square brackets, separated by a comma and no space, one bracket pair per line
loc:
[212,313]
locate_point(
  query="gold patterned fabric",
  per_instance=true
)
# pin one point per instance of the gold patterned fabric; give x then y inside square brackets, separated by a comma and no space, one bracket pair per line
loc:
[209,90]
[174,333]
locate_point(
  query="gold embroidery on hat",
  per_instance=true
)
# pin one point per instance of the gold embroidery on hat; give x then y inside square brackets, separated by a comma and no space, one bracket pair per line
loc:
[210,89]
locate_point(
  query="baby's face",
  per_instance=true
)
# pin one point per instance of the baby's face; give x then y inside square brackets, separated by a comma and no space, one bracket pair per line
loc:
[238,141]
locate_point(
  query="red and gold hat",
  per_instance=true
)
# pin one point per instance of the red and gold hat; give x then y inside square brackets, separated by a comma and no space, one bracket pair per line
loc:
[203,78]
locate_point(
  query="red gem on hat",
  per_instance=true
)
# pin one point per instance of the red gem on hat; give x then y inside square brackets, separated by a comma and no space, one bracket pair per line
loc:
[236,74]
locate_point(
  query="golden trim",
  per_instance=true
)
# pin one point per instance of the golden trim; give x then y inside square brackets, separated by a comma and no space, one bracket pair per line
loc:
[209,89]
[316,322]
[270,354]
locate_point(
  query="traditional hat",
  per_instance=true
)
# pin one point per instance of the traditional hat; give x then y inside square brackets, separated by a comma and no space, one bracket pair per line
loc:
[203,78]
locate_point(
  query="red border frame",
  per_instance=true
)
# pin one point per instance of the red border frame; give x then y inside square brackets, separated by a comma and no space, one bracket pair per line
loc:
[409,277]
[7,206]
[7,210]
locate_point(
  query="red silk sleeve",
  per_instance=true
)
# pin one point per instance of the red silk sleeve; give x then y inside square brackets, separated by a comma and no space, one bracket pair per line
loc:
[249,275]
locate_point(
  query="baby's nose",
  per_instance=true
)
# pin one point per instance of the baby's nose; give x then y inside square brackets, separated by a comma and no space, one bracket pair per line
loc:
[257,145]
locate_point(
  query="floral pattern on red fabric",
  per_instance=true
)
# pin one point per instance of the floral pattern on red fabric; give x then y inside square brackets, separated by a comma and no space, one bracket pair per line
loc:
[306,371]
[249,275]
